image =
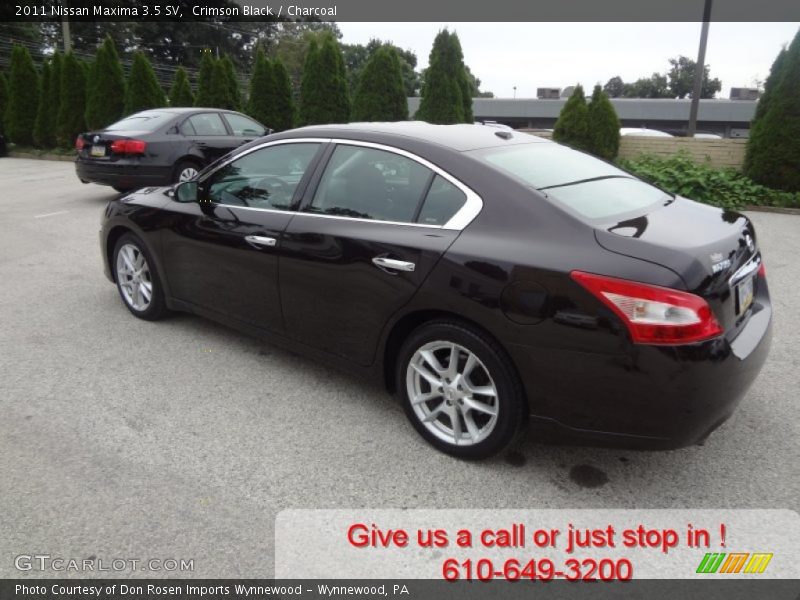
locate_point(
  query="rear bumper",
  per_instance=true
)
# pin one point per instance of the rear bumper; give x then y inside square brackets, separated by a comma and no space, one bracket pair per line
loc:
[124,173]
[658,397]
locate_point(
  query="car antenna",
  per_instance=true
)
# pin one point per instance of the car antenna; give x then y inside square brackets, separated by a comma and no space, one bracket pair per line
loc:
[506,135]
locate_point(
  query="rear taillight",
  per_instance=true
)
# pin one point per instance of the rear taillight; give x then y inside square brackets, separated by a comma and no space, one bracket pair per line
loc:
[653,314]
[762,271]
[79,143]
[128,146]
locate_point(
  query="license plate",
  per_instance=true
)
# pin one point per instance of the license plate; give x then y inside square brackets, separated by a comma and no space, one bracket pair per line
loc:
[744,295]
[98,151]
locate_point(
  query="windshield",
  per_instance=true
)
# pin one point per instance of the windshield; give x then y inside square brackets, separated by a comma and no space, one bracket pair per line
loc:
[589,186]
[149,120]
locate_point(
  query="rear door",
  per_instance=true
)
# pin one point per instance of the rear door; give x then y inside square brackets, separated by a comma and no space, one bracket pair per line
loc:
[222,254]
[368,233]
[209,135]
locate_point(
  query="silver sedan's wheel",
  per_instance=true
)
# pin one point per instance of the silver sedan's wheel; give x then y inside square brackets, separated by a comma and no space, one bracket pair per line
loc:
[134,277]
[187,173]
[452,393]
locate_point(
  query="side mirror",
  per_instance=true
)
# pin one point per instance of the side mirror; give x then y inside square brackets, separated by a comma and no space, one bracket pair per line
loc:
[186,192]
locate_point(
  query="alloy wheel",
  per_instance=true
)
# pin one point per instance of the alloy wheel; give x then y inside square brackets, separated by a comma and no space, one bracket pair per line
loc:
[452,393]
[134,277]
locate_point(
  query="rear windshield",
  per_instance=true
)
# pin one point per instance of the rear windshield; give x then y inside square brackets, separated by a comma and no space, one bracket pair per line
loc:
[589,186]
[149,120]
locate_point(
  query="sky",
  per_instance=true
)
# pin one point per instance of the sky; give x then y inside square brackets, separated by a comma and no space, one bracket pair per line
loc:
[531,55]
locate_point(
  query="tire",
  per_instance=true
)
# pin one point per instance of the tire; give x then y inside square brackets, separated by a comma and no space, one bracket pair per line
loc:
[184,170]
[483,393]
[135,273]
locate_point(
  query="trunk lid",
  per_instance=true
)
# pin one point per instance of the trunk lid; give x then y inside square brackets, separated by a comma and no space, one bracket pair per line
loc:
[712,250]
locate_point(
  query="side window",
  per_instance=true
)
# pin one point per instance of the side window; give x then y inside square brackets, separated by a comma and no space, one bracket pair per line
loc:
[205,124]
[370,184]
[243,127]
[265,178]
[442,202]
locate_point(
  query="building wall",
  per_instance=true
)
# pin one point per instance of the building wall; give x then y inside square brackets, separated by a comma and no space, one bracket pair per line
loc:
[718,153]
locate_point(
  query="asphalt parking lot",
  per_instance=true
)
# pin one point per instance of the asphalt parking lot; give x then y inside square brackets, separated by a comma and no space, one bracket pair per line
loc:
[183,439]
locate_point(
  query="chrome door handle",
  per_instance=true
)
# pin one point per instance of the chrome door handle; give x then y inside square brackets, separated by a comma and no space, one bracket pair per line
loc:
[259,240]
[391,263]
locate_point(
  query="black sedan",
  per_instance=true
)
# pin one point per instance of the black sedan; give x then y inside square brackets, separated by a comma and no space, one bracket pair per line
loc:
[161,146]
[488,278]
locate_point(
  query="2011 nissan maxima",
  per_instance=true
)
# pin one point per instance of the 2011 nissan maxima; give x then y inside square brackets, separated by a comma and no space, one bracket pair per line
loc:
[488,278]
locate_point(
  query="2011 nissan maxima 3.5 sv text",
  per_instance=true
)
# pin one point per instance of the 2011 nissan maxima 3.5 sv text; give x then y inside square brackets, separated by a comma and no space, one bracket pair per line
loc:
[489,278]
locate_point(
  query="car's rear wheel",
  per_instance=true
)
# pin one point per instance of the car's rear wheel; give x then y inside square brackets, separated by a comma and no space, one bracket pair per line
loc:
[185,170]
[458,389]
[137,279]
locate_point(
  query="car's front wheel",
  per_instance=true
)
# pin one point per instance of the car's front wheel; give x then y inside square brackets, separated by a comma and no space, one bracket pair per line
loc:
[459,390]
[137,279]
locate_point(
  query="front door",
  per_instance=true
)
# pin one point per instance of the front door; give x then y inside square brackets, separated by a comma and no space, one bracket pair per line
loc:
[222,254]
[361,245]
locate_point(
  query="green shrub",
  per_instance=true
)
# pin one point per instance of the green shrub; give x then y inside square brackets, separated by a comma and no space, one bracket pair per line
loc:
[3,99]
[603,125]
[23,97]
[572,126]
[323,96]
[105,88]
[381,93]
[445,91]
[726,188]
[233,83]
[43,130]
[72,106]
[144,91]
[261,101]
[773,148]
[220,96]
[204,95]
[181,92]
[285,112]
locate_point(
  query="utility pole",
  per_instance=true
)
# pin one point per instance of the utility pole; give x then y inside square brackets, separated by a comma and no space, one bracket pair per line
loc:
[65,30]
[699,71]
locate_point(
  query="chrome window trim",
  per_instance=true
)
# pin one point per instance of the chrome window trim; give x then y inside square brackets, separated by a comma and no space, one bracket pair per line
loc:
[463,217]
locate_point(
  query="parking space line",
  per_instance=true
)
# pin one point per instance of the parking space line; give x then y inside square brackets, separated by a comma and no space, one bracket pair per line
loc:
[52,214]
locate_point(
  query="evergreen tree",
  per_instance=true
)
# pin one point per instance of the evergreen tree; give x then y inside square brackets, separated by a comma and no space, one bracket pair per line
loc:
[43,132]
[572,126]
[233,83]
[204,95]
[773,148]
[775,73]
[181,92]
[323,95]
[105,88]
[55,86]
[285,112]
[261,103]
[220,96]
[464,83]
[143,90]
[23,97]
[603,126]
[381,94]
[3,99]
[72,105]
[446,96]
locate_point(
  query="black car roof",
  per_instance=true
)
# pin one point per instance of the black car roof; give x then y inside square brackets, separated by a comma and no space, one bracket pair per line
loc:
[461,137]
